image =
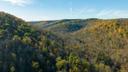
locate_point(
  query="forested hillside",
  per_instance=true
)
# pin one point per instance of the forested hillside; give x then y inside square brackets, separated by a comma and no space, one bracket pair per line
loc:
[91,45]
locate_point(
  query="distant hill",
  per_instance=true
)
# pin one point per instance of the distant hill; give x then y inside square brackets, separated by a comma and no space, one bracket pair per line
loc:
[67,25]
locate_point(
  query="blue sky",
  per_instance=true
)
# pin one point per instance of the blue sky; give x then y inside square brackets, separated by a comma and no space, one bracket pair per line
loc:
[32,10]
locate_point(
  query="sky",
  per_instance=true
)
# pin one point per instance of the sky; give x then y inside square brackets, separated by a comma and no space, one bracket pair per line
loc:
[36,10]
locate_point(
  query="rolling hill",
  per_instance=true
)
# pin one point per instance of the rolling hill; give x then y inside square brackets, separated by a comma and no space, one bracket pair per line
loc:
[95,39]
[70,45]
[67,25]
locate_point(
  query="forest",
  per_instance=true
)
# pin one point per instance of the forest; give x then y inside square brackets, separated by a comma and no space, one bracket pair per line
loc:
[70,45]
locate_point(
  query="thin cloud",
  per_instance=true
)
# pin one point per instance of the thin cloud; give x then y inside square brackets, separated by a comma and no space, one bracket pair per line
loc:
[18,2]
[86,11]
[103,13]
[112,14]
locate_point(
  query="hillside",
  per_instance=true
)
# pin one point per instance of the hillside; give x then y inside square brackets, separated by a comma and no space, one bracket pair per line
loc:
[102,42]
[90,45]
[109,39]
[24,49]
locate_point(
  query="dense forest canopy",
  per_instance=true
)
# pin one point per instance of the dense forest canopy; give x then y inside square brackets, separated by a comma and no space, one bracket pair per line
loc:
[75,45]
